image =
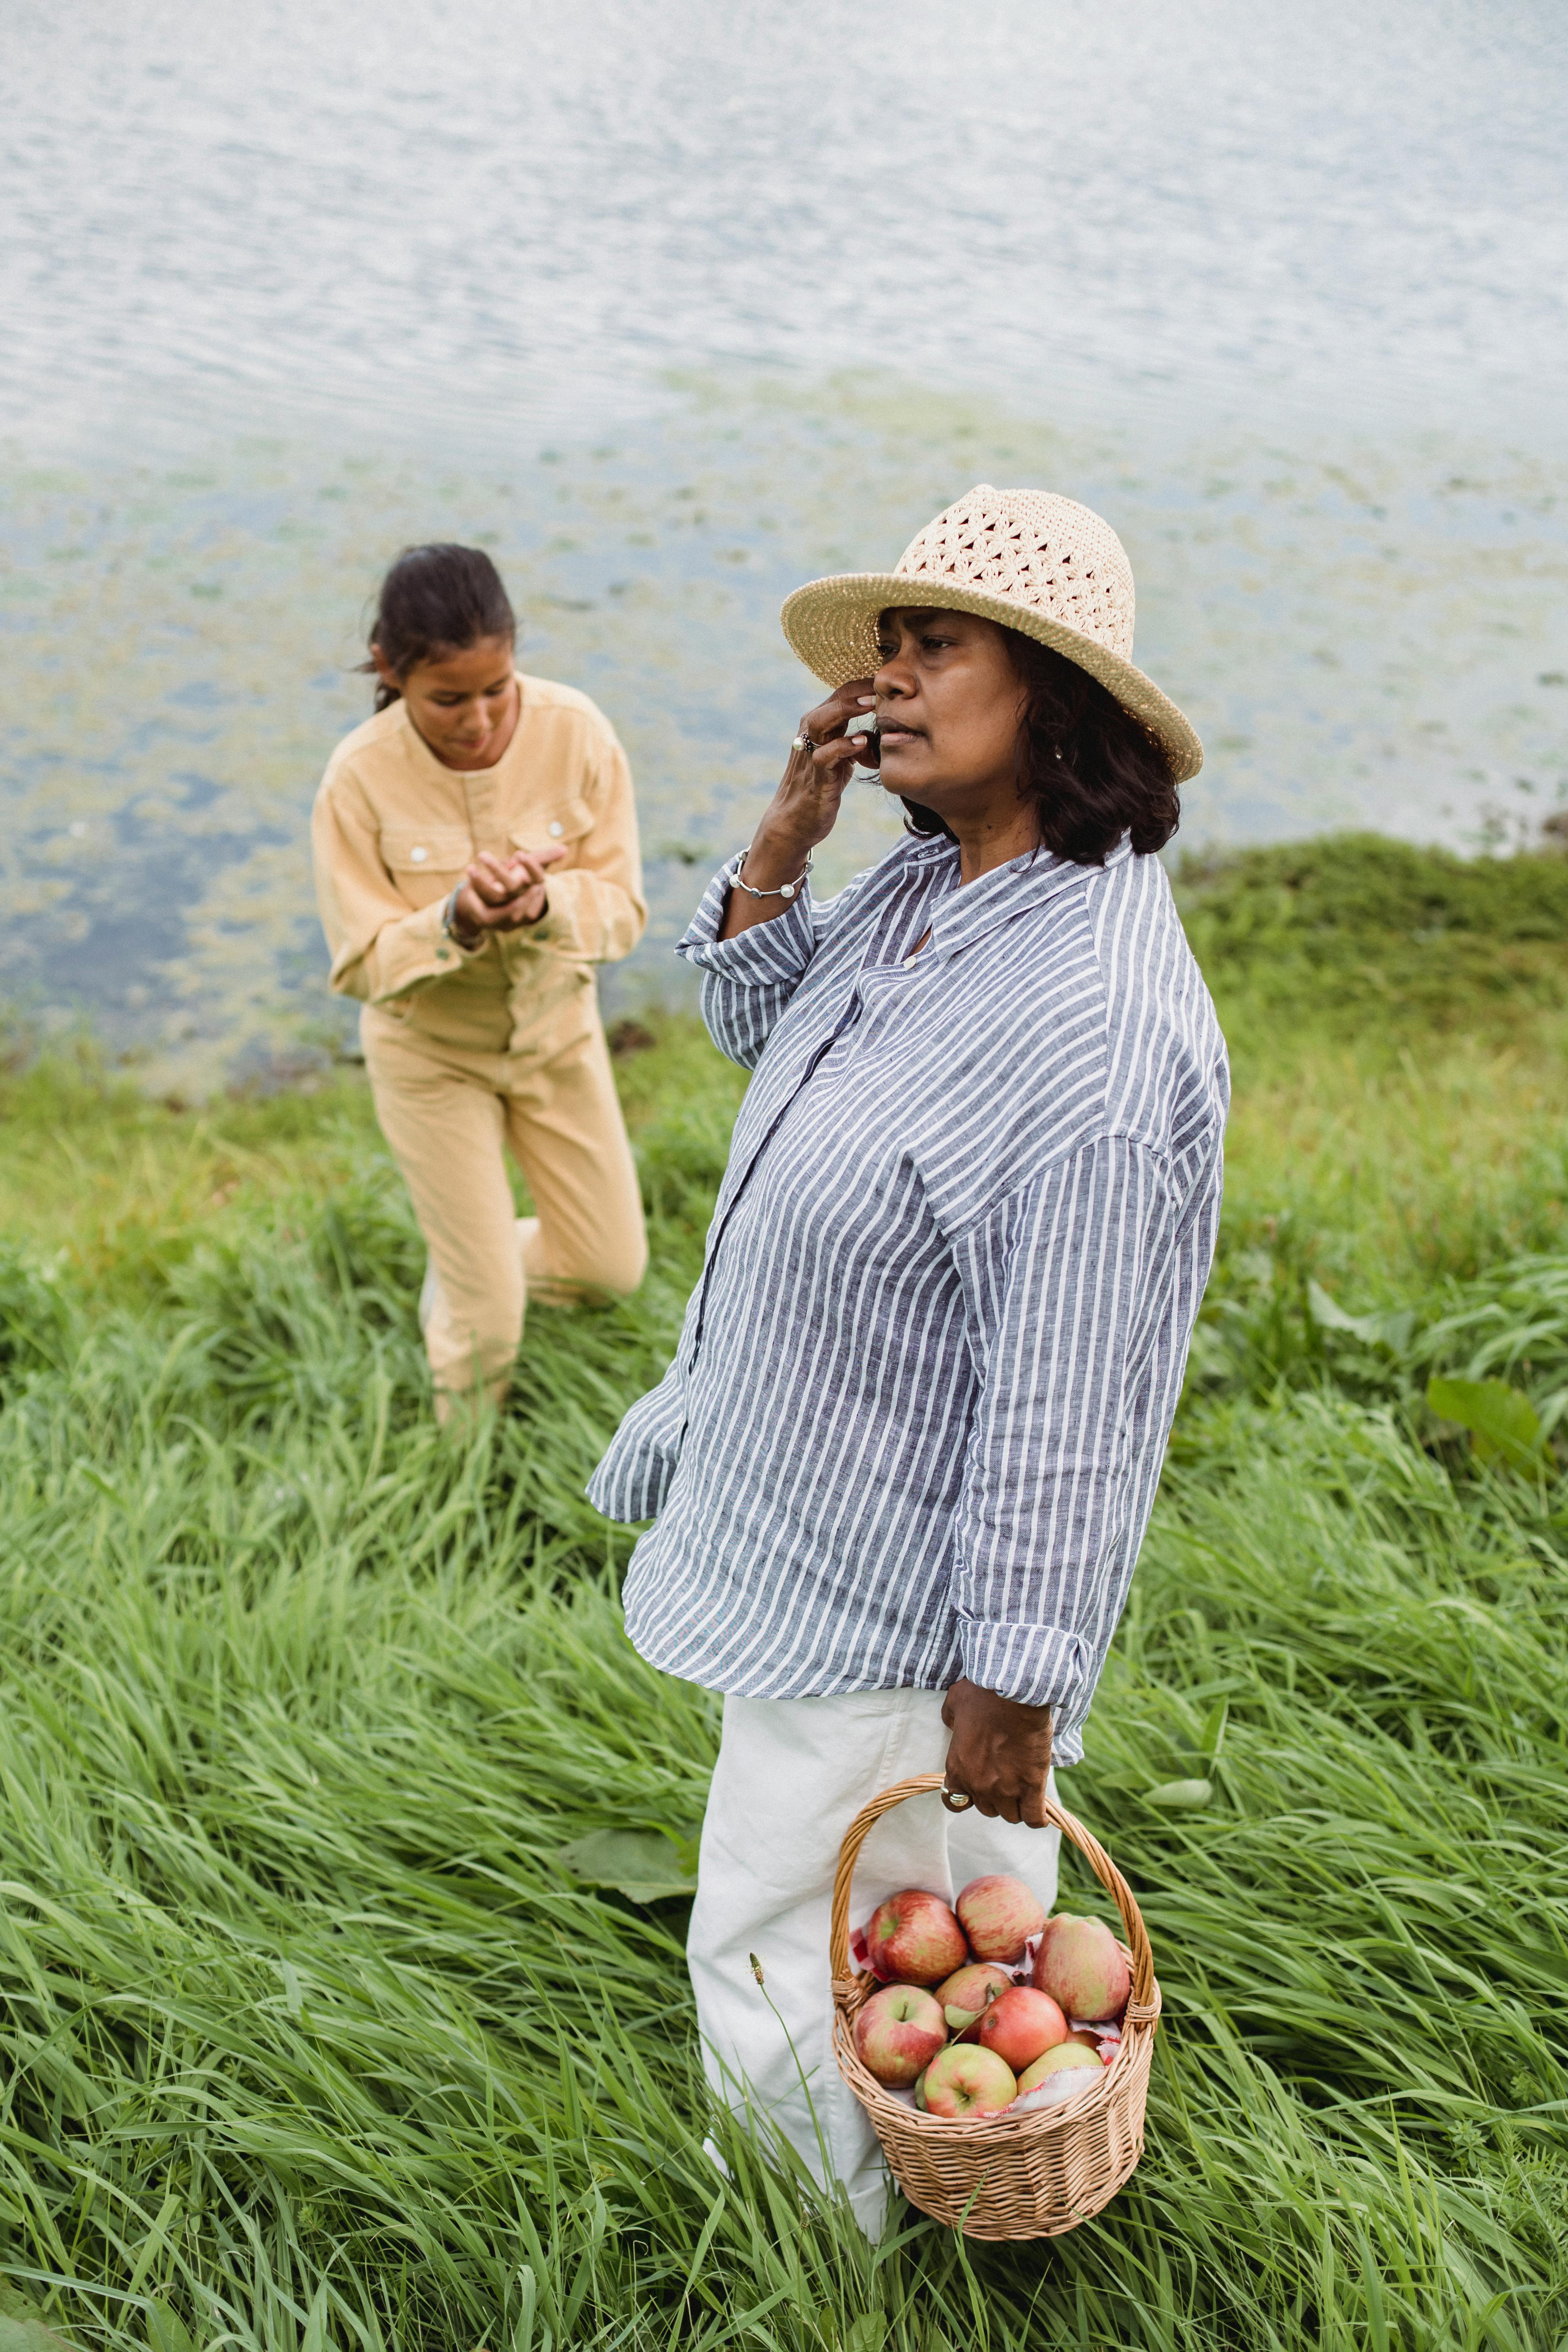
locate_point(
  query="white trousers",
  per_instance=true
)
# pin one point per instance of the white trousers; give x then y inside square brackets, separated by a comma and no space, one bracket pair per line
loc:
[791,1774]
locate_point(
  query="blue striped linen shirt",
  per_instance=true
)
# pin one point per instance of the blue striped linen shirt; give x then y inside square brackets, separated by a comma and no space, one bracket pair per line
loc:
[917,1416]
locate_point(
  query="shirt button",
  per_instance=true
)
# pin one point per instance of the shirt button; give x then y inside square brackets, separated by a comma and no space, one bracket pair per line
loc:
[418,856]
[556,828]
[907,961]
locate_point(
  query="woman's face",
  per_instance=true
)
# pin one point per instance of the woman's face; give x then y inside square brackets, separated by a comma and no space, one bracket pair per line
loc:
[464,704]
[949,706]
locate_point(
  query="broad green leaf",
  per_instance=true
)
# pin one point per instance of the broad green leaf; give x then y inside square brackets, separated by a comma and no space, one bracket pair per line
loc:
[28,2336]
[1503,1424]
[1392,1331]
[22,2327]
[167,2332]
[643,1864]
[1178,1793]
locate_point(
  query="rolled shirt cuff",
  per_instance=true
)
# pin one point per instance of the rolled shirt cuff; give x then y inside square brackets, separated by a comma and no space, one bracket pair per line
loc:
[768,951]
[419,952]
[558,927]
[554,929]
[1039,1665]
[587,917]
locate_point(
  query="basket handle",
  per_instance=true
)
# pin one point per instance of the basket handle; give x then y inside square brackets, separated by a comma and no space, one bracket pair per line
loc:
[1144,2005]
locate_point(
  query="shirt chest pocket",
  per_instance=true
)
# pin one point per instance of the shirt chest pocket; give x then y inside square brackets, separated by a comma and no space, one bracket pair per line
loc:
[425,860]
[560,824]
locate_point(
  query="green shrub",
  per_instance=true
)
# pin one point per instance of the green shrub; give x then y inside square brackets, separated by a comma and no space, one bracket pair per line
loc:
[1358,936]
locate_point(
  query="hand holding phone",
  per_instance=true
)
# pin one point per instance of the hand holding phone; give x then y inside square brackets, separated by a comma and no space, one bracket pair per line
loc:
[804,808]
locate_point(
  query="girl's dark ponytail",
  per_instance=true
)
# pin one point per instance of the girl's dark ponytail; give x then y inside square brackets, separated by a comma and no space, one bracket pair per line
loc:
[436,600]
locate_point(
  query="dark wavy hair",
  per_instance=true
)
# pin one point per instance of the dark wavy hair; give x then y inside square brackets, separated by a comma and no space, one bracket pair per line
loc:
[436,600]
[1089,768]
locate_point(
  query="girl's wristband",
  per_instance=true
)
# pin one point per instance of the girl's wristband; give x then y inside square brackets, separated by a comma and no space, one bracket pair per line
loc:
[449,924]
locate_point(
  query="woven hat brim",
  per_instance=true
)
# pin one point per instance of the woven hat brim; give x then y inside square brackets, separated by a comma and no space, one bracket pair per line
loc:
[832,625]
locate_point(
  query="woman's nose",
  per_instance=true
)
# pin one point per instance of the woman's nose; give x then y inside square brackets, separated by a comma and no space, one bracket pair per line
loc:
[893,678]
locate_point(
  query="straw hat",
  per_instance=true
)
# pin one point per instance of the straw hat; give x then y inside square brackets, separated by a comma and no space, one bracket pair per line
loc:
[1033,561]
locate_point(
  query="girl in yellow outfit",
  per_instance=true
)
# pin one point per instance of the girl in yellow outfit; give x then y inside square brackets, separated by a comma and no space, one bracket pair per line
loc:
[476,854]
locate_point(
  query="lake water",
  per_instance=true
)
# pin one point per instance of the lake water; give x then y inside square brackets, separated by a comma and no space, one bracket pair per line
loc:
[673,306]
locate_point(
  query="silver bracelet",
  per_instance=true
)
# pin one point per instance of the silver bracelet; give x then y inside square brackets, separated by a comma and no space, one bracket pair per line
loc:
[784,890]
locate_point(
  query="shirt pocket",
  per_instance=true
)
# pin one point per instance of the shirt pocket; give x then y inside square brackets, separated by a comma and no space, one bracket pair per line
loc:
[425,860]
[563,823]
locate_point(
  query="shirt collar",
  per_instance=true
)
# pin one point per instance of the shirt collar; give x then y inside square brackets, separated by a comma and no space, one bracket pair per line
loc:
[966,913]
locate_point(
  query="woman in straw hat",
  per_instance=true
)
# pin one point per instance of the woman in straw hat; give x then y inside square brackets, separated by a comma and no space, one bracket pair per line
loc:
[901,1465]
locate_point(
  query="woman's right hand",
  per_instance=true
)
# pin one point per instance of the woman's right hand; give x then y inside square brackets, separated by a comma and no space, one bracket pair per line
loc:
[804,809]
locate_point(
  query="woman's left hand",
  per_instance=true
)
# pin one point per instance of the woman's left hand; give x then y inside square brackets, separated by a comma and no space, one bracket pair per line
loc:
[1000,1753]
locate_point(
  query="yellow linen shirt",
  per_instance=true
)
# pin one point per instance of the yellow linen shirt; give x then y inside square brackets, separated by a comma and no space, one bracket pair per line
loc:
[393,832]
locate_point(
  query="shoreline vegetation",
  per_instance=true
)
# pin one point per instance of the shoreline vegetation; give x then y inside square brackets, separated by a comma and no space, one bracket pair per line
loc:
[342,1834]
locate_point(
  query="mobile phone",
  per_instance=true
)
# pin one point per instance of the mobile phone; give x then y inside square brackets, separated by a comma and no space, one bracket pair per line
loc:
[868,747]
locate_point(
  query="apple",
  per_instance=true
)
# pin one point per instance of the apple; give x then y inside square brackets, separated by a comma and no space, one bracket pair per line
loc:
[1060,2071]
[898,2033]
[968,1991]
[964,2080]
[913,1939]
[1079,1965]
[999,1915]
[1020,2023]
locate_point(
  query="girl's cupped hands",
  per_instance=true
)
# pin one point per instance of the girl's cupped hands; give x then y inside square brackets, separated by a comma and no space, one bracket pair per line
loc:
[501,894]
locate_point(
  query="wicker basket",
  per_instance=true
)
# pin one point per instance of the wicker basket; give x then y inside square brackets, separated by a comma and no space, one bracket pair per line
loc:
[1028,2176]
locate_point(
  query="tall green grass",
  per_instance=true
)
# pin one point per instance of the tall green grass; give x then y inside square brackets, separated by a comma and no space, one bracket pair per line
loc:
[309,2036]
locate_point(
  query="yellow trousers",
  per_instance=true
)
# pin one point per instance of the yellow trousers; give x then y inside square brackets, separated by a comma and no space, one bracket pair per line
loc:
[449,1114]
